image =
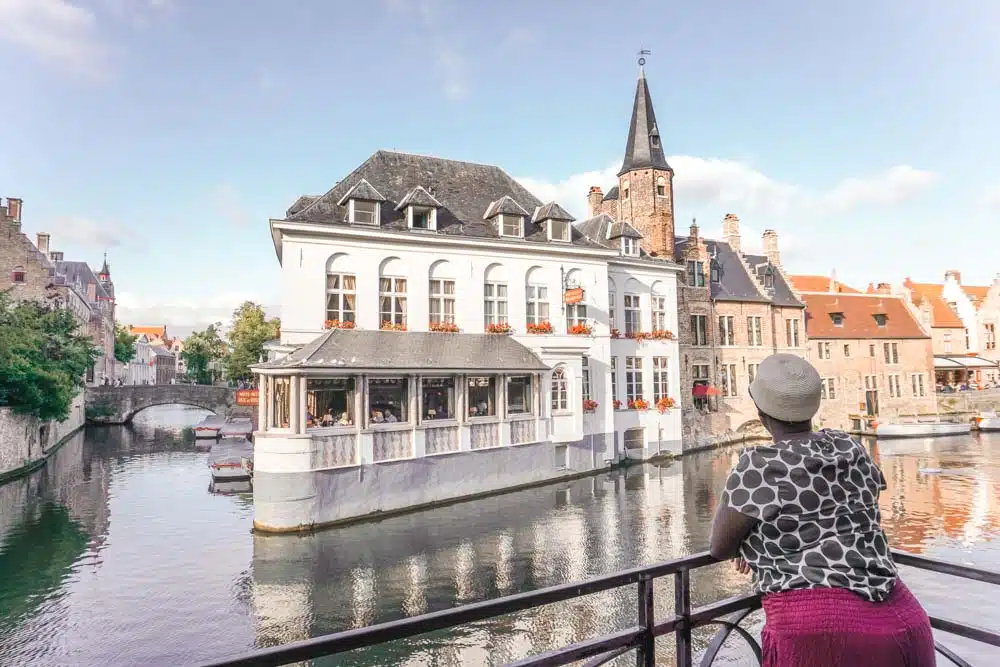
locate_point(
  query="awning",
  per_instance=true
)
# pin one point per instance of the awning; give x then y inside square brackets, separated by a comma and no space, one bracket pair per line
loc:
[953,362]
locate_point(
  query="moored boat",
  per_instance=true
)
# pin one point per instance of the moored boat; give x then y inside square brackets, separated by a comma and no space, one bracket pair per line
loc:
[237,428]
[231,460]
[988,421]
[921,429]
[208,428]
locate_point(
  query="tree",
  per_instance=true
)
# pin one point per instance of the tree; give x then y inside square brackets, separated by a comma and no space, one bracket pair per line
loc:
[250,330]
[124,344]
[201,349]
[43,358]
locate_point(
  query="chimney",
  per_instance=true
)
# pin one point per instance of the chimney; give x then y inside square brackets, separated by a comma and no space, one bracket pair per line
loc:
[693,231]
[771,247]
[871,288]
[731,231]
[594,199]
[43,243]
[14,209]
[884,288]
[953,275]
[833,281]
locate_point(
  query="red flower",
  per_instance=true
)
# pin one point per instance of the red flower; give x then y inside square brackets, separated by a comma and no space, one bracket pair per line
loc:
[338,324]
[444,327]
[589,405]
[638,404]
[540,328]
[391,326]
[664,404]
[580,330]
[502,328]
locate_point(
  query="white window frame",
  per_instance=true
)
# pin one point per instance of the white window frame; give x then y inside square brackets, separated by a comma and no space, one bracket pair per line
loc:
[614,380]
[828,389]
[560,390]
[947,342]
[431,217]
[395,295]
[696,340]
[695,274]
[342,293]
[504,218]
[630,246]
[536,298]
[612,319]
[440,297]
[585,365]
[727,379]
[792,332]
[659,313]
[576,313]
[661,378]
[494,298]
[565,237]
[661,183]
[634,310]
[895,387]
[633,379]
[919,384]
[755,331]
[352,214]
[891,353]
[727,330]
[752,372]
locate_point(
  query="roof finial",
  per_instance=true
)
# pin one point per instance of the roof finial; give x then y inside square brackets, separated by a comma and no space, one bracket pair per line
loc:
[642,53]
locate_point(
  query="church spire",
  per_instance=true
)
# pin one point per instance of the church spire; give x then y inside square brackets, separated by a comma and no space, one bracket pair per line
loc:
[643,148]
[105,273]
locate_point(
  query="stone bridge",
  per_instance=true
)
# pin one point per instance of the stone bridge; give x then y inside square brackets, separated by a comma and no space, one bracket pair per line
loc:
[118,405]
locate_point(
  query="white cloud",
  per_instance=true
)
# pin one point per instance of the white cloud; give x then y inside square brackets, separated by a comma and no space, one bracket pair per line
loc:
[57,31]
[186,314]
[991,197]
[740,188]
[82,232]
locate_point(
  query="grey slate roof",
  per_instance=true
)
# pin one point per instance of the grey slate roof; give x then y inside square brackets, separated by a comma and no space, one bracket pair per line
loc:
[596,228]
[551,211]
[735,282]
[612,194]
[412,351]
[783,295]
[465,190]
[82,273]
[620,229]
[300,204]
[505,205]
[644,149]
[362,190]
[161,351]
[418,197]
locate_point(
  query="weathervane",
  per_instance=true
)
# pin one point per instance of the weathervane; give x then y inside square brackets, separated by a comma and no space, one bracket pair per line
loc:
[642,53]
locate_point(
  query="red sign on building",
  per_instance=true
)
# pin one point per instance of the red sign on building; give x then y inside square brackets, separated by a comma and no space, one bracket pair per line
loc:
[573,296]
[247,397]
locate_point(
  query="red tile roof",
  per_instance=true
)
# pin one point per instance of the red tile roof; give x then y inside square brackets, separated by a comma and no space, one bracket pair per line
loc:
[149,331]
[859,312]
[819,284]
[976,292]
[942,316]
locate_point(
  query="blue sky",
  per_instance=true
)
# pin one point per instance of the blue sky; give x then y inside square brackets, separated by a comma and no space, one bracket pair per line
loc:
[169,131]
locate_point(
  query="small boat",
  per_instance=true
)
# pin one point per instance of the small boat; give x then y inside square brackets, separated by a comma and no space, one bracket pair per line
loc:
[231,460]
[988,421]
[208,428]
[237,428]
[921,429]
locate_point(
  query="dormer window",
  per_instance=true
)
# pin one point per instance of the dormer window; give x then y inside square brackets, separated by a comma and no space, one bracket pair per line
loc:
[558,230]
[880,319]
[838,319]
[508,216]
[630,246]
[556,220]
[714,272]
[511,225]
[421,209]
[363,203]
[768,278]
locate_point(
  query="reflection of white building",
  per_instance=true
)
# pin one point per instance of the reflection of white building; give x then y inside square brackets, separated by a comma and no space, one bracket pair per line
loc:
[463,317]
[141,369]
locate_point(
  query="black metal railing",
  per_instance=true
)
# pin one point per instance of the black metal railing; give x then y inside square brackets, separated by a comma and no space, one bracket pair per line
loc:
[640,638]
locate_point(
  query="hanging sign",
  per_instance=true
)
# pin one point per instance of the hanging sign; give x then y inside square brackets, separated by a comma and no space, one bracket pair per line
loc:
[573,296]
[247,397]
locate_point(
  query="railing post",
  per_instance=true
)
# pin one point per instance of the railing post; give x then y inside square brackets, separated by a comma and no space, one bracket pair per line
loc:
[682,609]
[646,655]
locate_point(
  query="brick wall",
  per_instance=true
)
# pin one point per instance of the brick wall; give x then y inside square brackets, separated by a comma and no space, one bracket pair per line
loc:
[940,337]
[17,250]
[651,214]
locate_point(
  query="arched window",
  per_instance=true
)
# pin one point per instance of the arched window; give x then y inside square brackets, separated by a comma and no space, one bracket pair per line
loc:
[612,305]
[536,297]
[341,293]
[392,294]
[625,190]
[442,294]
[659,303]
[560,390]
[18,275]
[661,187]
[495,296]
[576,313]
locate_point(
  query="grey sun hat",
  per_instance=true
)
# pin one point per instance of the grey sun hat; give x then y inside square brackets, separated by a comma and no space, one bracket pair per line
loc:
[786,387]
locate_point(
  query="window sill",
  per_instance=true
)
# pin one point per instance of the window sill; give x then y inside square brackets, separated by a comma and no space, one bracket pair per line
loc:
[332,430]
[520,417]
[490,419]
[437,423]
[562,413]
[399,426]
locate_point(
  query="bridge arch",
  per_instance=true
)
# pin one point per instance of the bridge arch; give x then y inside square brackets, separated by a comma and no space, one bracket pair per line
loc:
[118,405]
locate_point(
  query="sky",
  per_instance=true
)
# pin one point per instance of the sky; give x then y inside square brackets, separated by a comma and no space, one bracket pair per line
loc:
[167,132]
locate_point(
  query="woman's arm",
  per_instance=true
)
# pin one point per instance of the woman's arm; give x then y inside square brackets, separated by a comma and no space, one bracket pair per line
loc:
[729,529]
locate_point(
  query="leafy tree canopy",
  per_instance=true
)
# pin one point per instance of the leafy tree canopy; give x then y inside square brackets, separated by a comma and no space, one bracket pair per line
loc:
[124,344]
[250,330]
[202,348]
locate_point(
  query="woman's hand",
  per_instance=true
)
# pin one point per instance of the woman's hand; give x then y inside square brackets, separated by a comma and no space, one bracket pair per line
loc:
[741,566]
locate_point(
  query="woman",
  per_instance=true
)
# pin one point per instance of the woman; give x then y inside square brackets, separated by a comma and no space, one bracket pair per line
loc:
[802,514]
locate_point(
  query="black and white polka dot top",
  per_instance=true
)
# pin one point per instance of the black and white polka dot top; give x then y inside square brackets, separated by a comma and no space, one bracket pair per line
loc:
[819,523]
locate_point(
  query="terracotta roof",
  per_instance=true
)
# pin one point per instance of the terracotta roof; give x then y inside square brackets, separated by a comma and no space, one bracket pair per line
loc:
[157,331]
[942,316]
[976,292]
[859,312]
[819,284]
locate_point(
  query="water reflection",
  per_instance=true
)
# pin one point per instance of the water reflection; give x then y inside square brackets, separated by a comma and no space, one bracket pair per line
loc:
[120,552]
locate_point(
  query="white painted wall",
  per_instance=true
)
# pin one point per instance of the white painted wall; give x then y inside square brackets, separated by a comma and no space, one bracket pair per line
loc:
[140,371]
[952,291]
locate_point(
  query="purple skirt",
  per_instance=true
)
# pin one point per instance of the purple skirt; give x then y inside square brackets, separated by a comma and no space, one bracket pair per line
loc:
[828,627]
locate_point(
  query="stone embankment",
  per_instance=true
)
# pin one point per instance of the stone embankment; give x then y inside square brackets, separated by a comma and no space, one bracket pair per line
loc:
[25,441]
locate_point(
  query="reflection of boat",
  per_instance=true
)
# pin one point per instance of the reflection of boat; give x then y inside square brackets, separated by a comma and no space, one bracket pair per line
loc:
[988,421]
[237,428]
[921,429]
[231,460]
[226,488]
[209,427]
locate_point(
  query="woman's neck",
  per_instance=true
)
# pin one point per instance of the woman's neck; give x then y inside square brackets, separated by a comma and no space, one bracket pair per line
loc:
[779,434]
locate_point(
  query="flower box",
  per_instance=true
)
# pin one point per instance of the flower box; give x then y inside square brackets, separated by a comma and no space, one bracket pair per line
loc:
[499,328]
[580,330]
[664,404]
[338,324]
[443,327]
[661,334]
[540,328]
[618,405]
[615,333]
[637,336]
[589,405]
[390,326]
[638,404]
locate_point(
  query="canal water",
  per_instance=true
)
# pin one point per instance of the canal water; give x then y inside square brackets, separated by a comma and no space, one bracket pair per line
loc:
[118,552]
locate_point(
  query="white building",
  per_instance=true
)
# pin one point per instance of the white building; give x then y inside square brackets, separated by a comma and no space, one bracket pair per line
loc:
[141,368]
[418,267]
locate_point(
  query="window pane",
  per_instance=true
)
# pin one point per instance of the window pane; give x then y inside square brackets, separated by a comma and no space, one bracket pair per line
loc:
[519,395]
[330,402]
[482,396]
[387,400]
[280,403]
[438,398]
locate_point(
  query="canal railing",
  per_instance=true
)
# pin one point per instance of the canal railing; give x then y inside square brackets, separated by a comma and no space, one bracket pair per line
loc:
[639,638]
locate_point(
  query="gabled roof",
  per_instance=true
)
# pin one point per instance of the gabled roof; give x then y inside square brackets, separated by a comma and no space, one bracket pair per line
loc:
[977,293]
[356,348]
[859,312]
[551,211]
[782,294]
[418,197]
[620,229]
[505,205]
[612,194]
[644,149]
[930,294]
[300,204]
[803,283]
[81,271]
[464,189]
[149,331]
[362,190]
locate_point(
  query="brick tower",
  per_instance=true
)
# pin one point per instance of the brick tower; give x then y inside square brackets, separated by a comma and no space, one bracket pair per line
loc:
[646,181]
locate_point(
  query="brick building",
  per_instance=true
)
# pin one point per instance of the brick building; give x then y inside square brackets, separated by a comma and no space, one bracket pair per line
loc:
[34,271]
[734,308]
[166,364]
[875,358]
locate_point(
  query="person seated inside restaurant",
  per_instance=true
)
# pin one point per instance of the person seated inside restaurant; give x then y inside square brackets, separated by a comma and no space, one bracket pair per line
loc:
[328,417]
[309,419]
[389,417]
[344,420]
[473,411]
[377,417]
